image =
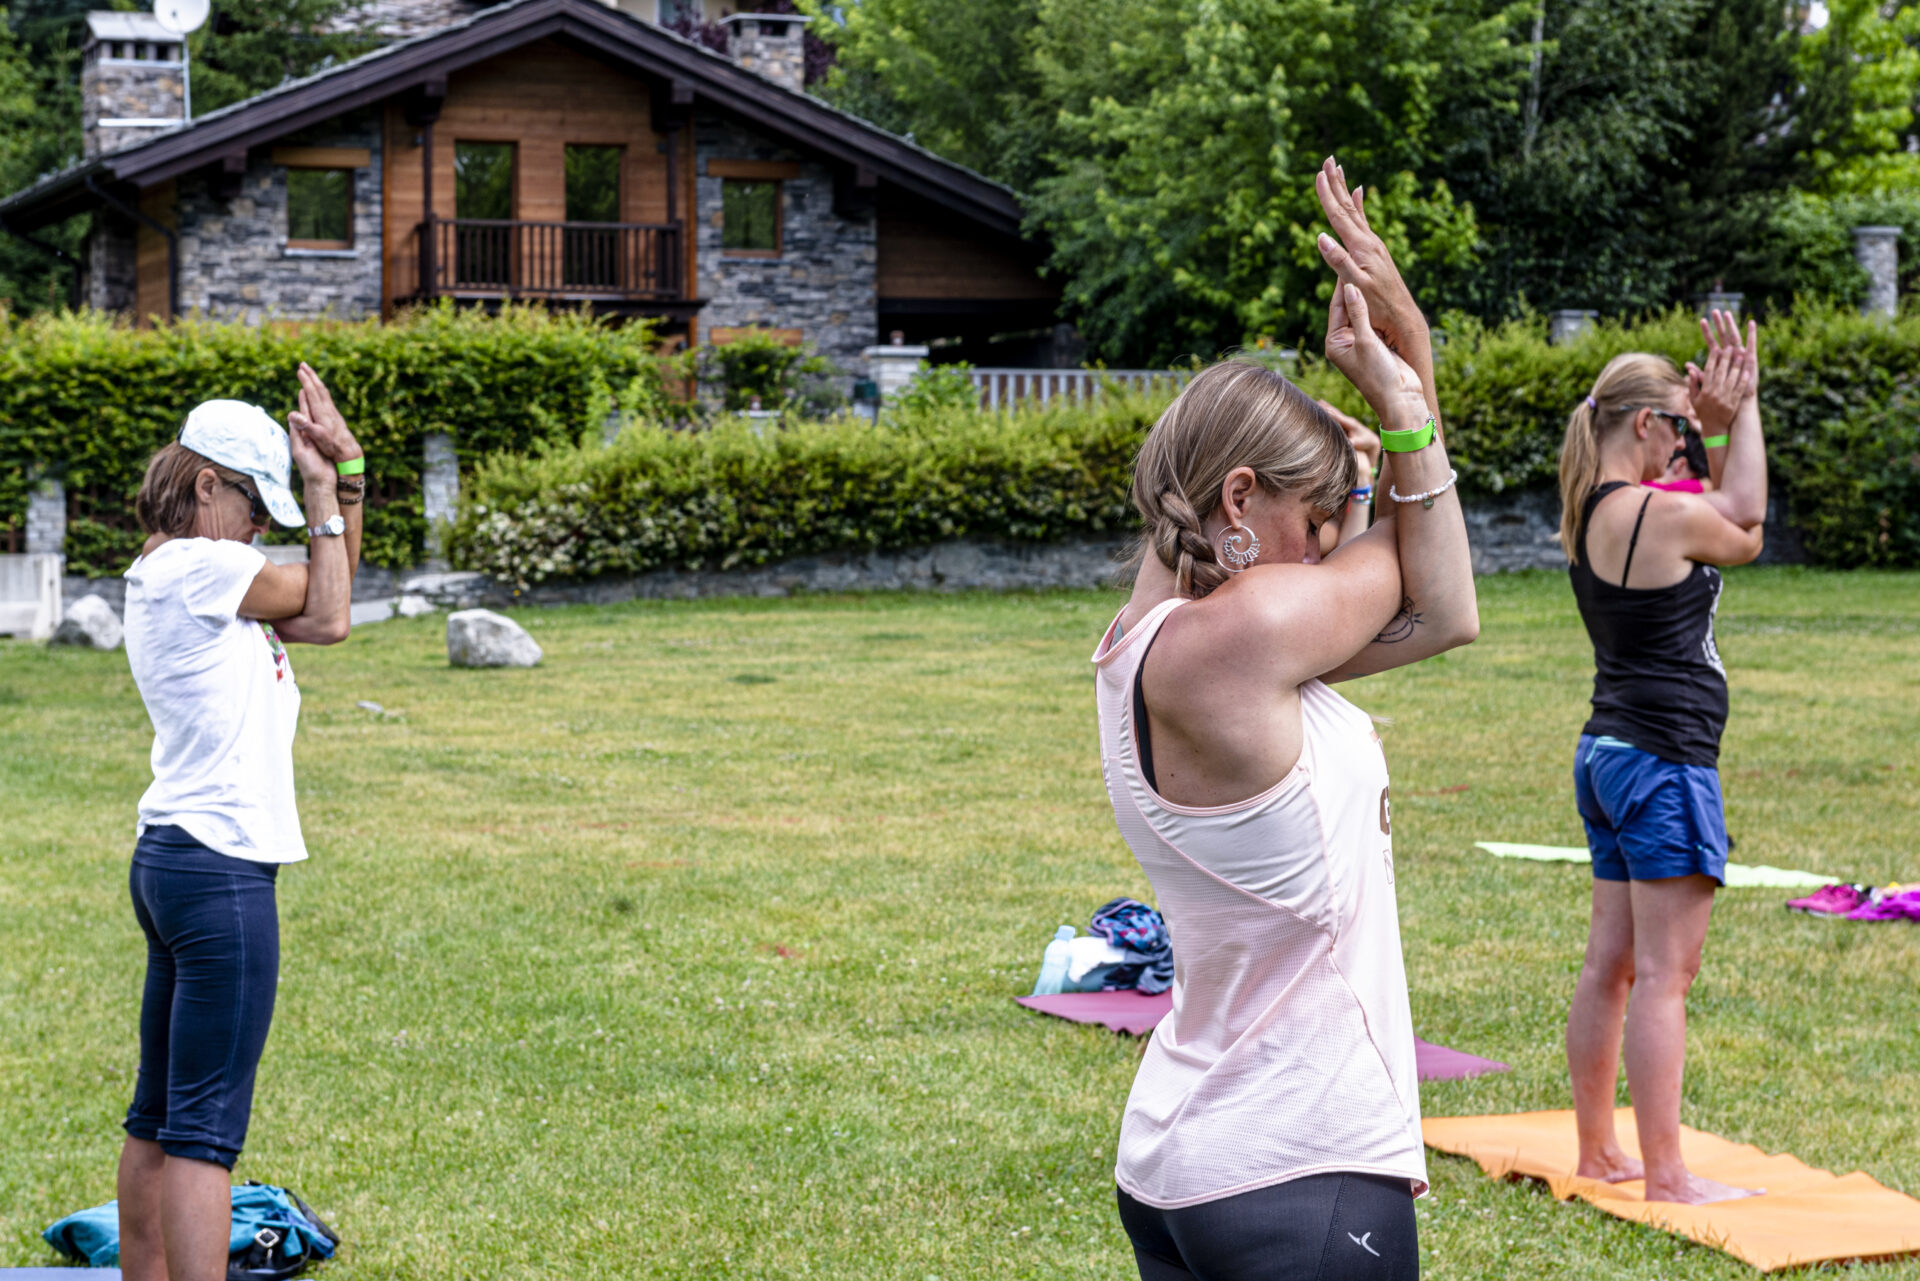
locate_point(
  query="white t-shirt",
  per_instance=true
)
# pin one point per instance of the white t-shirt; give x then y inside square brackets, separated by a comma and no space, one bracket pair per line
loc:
[222,698]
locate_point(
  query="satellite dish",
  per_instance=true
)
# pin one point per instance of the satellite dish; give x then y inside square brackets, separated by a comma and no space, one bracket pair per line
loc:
[180,16]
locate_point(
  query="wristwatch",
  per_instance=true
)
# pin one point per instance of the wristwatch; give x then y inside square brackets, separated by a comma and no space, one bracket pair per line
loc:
[332,527]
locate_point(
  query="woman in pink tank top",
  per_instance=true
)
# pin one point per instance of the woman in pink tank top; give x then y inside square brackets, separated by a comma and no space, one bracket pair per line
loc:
[1273,1129]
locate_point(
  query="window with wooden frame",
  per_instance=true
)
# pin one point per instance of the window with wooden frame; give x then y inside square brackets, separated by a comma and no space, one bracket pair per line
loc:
[749,218]
[751,205]
[320,194]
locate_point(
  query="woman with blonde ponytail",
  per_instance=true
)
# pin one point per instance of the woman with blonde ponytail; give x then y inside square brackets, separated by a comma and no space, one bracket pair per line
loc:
[1646,777]
[1273,1130]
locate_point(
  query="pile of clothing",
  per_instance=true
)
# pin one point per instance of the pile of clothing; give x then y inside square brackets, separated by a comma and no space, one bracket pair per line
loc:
[1127,948]
[1894,902]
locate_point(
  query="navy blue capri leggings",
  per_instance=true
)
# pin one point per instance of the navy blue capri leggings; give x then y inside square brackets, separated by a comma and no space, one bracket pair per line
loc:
[213,961]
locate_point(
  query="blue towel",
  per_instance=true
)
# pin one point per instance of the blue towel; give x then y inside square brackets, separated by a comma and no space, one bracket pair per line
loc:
[93,1236]
[1131,924]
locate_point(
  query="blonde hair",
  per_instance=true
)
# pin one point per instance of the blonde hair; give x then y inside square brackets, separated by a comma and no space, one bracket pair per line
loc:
[167,503]
[1631,381]
[1233,414]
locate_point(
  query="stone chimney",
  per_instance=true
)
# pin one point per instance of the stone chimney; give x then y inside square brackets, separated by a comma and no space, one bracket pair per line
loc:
[769,44]
[132,81]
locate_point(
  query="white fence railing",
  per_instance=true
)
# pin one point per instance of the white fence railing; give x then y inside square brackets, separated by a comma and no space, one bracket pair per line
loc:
[29,595]
[1004,388]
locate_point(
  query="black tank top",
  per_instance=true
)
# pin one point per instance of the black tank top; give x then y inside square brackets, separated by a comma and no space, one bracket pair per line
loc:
[1657,682]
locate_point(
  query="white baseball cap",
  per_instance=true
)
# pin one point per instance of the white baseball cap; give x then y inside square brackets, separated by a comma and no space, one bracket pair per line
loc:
[242,436]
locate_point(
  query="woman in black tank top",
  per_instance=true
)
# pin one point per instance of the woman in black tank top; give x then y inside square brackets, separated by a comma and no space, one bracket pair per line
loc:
[1643,564]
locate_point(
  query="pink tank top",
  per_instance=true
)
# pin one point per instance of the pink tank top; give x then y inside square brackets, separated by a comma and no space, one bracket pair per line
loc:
[1289,1051]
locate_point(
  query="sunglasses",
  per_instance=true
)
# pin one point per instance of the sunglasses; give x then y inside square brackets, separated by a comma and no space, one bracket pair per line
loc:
[1678,421]
[256,505]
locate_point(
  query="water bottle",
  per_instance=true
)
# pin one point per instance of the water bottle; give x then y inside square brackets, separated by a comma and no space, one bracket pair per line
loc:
[1053,964]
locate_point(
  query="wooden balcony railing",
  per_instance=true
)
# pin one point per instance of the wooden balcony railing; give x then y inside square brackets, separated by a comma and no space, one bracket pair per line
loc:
[563,261]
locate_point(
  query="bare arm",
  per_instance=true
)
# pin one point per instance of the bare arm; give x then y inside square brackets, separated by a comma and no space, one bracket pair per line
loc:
[1726,395]
[1358,513]
[312,603]
[1438,609]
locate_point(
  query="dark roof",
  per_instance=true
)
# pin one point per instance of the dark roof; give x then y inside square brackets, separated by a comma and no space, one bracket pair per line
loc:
[592,27]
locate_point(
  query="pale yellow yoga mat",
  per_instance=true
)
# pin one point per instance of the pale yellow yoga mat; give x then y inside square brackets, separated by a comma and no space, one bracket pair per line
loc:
[1740,876]
[1806,1216]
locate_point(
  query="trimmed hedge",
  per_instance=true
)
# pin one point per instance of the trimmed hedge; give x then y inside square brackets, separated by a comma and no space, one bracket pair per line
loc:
[1840,399]
[734,496]
[89,399]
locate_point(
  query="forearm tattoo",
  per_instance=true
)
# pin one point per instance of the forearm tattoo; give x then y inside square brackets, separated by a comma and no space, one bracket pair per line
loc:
[1401,628]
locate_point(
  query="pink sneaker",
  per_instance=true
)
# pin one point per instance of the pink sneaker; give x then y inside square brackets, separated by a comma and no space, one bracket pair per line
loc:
[1830,900]
[1904,906]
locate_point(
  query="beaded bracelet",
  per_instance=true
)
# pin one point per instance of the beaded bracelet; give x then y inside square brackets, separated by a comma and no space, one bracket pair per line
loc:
[1425,499]
[1360,495]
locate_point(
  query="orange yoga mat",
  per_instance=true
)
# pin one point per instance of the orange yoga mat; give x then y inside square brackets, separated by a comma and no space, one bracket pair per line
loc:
[1807,1215]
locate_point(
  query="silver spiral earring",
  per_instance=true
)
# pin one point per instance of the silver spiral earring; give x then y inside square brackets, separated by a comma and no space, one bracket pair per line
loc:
[1237,547]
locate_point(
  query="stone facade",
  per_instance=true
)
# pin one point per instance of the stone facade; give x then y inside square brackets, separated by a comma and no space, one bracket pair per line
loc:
[140,87]
[108,263]
[234,259]
[770,46]
[824,282]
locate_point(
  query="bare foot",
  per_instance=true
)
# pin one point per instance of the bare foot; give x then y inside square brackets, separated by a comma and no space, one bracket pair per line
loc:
[1698,1191]
[1610,1167]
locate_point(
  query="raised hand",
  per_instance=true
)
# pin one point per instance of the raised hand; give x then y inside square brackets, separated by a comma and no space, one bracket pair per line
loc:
[1732,374]
[1359,257]
[314,463]
[1356,349]
[1365,441]
[320,420]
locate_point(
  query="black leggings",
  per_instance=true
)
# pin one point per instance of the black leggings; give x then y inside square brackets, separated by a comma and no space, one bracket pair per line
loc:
[1325,1227]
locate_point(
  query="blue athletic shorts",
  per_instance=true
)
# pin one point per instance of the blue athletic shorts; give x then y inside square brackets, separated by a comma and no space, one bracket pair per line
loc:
[213,961]
[1648,818]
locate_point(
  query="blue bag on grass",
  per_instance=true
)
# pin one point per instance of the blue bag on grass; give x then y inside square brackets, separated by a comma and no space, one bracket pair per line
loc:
[91,1236]
[275,1234]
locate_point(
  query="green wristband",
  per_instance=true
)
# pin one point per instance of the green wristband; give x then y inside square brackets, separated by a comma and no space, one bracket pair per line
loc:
[1405,442]
[1714,442]
[352,467]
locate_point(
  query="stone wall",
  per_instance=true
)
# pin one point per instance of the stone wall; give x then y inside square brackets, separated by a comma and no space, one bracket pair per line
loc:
[1507,533]
[823,283]
[234,259]
[127,89]
[781,58]
[109,263]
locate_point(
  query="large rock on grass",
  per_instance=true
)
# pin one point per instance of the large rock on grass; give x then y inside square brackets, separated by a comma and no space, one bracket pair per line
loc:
[90,624]
[482,638]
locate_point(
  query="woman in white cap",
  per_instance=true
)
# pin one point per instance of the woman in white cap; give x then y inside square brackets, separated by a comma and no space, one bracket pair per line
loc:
[207,620]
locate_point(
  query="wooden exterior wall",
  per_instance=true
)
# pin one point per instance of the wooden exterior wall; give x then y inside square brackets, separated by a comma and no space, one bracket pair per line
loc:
[927,253]
[540,98]
[151,294]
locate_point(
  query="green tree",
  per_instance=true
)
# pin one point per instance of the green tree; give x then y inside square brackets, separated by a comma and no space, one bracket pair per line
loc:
[1871,150]
[960,78]
[252,45]
[1658,143]
[39,133]
[1182,211]
[248,46]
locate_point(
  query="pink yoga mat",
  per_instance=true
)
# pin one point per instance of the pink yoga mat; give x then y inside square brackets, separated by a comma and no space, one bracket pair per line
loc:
[1136,1014]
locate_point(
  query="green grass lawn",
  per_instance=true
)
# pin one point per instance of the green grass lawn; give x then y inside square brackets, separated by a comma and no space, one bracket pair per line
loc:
[689,953]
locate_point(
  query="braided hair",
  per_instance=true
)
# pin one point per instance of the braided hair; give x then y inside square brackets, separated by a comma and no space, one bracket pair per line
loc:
[1233,414]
